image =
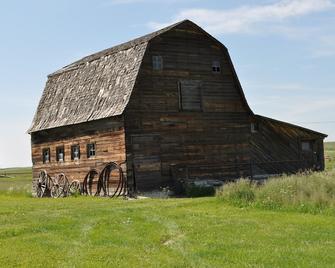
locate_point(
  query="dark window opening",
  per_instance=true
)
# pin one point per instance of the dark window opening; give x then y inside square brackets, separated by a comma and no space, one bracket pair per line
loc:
[60,155]
[306,146]
[190,98]
[254,127]
[157,62]
[75,152]
[216,68]
[46,155]
[90,150]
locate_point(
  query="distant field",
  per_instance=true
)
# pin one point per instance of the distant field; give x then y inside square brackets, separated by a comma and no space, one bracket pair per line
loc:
[330,155]
[18,179]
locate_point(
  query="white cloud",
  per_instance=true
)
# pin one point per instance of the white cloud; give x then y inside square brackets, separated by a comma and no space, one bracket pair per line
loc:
[249,18]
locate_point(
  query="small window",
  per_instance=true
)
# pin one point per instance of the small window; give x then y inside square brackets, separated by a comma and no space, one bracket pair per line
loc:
[216,68]
[190,95]
[306,146]
[90,150]
[157,63]
[75,152]
[46,155]
[60,156]
[254,127]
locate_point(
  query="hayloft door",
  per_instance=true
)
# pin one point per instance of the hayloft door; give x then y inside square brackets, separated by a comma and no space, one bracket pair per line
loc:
[146,160]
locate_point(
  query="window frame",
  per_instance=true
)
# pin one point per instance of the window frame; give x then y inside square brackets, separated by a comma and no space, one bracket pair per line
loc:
[58,148]
[180,96]
[157,63]
[43,155]
[310,146]
[88,150]
[72,152]
[216,67]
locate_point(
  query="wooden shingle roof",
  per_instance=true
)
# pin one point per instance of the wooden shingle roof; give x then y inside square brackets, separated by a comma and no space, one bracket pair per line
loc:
[95,87]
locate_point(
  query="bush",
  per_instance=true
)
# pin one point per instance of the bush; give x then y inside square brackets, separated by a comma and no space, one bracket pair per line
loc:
[192,190]
[306,192]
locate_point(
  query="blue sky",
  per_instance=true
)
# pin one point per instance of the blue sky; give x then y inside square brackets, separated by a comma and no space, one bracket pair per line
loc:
[283,52]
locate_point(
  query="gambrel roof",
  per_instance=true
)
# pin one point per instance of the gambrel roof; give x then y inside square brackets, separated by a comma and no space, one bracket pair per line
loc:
[98,86]
[95,87]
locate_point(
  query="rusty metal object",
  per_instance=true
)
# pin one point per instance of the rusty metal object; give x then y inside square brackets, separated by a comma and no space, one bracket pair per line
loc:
[94,183]
[91,177]
[110,187]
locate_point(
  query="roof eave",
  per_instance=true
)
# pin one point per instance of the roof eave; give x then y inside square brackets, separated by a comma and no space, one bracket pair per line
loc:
[292,125]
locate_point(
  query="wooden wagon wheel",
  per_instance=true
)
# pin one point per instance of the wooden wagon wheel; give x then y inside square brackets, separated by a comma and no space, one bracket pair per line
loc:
[74,187]
[60,186]
[44,183]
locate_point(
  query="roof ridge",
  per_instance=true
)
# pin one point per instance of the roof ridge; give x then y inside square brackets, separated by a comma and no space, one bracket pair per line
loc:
[117,48]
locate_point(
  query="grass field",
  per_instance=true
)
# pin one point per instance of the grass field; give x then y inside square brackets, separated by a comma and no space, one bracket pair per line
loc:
[16,179]
[201,232]
[330,155]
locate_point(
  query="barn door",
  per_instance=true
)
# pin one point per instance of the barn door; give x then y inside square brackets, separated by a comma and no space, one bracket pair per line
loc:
[146,160]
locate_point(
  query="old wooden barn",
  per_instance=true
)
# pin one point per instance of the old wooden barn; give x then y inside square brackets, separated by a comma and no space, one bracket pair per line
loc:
[164,106]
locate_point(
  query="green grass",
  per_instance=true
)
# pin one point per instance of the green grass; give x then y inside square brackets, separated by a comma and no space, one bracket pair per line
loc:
[15,180]
[202,232]
[330,155]
[312,192]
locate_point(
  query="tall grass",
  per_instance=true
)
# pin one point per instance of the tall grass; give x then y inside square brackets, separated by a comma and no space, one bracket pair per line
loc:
[306,192]
[16,191]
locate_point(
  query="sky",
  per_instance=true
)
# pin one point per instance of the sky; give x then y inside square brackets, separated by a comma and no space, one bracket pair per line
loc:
[283,52]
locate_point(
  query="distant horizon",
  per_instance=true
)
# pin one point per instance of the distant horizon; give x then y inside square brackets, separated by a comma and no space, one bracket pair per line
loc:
[283,53]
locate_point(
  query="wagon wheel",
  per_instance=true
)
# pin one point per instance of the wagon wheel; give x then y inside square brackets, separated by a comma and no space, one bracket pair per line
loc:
[43,184]
[63,184]
[55,191]
[40,189]
[60,186]
[74,187]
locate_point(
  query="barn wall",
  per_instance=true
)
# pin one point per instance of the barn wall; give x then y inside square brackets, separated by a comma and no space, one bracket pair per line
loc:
[212,142]
[276,148]
[107,134]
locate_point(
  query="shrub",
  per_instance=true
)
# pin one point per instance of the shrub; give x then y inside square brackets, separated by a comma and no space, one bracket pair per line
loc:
[192,190]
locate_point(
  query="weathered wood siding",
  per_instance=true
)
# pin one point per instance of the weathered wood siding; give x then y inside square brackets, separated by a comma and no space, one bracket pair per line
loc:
[276,148]
[210,140]
[107,134]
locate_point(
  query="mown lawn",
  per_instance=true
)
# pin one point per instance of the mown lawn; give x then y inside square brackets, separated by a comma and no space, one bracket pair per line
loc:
[95,232]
